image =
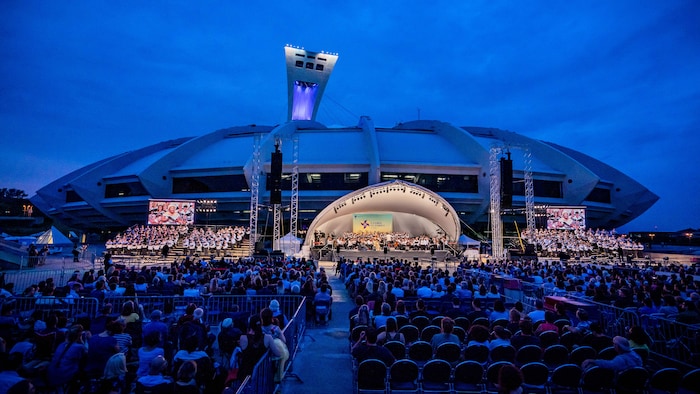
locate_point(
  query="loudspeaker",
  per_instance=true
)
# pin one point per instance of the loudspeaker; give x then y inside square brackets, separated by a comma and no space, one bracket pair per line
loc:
[506,183]
[276,177]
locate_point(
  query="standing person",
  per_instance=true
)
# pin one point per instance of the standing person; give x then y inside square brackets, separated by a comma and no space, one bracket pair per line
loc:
[33,256]
[76,254]
[42,254]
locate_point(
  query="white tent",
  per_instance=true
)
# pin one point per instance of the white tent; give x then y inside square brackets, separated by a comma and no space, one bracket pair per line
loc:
[289,245]
[470,247]
[53,237]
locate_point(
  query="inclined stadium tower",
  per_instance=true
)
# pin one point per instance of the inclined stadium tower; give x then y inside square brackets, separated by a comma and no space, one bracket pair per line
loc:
[444,185]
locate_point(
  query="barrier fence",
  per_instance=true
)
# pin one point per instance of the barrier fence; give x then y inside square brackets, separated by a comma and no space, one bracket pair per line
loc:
[262,378]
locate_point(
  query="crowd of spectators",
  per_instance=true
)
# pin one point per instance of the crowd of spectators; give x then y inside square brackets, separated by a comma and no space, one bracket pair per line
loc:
[122,348]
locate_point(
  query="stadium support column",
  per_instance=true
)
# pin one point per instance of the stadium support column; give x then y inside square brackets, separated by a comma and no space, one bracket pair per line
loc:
[495,207]
[293,226]
[254,193]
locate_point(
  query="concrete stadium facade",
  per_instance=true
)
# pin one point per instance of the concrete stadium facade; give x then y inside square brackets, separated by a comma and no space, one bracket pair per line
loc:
[451,161]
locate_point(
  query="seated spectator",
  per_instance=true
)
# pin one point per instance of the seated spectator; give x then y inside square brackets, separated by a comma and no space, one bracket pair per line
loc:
[123,339]
[156,325]
[186,382]
[366,348]
[24,386]
[583,326]
[68,358]
[688,313]
[499,311]
[625,359]
[638,338]
[380,320]
[513,320]
[500,337]
[100,348]
[400,309]
[150,350]
[254,345]
[390,333]
[9,369]
[526,336]
[278,314]
[547,324]
[538,314]
[420,309]
[114,379]
[478,336]
[99,323]
[129,313]
[476,312]
[597,340]
[510,380]
[156,372]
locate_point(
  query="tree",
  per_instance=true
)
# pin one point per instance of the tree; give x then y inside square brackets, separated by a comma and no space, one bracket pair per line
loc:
[7,194]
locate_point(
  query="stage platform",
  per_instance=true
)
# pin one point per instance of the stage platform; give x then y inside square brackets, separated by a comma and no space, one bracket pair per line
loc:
[420,256]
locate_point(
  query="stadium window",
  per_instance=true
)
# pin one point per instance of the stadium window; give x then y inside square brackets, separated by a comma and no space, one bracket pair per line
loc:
[327,181]
[72,196]
[310,65]
[599,194]
[319,67]
[322,58]
[127,189]
[210,184]
[541,188]
[438,182]
[299,63]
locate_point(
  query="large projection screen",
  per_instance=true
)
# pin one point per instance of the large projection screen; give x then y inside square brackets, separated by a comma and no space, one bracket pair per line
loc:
[168,212]
[372,223]
[566,218]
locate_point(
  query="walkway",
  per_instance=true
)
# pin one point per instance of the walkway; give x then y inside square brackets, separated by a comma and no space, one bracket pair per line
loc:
[324,363]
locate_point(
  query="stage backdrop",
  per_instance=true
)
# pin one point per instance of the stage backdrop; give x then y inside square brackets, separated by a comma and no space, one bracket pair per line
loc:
[372,223]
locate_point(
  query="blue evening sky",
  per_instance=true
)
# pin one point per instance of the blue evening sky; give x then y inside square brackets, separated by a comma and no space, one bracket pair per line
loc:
[617,80]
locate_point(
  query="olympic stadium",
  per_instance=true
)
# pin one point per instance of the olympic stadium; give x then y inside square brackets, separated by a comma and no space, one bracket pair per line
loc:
[433,176]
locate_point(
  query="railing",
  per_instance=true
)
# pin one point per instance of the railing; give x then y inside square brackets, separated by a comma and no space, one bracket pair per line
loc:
[262,378]
[71,307]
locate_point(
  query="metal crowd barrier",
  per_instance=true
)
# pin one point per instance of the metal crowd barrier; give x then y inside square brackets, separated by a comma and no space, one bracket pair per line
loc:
[71,307]
[673,339]
[262,378]
[170,306]
[25,278]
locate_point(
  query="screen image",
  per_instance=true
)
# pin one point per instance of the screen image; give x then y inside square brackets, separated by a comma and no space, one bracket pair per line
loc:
[372,223]
[566,218]
[170,212]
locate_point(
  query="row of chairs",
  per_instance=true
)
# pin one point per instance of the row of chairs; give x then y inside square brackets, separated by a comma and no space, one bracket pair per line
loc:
[553,356]
[470,377]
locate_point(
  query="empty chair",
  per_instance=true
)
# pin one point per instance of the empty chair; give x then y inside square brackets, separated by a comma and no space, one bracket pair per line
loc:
[665,380]
[427,333]
[421,322]
[371,376]
[503,353]
[403,377]
[462,322]
[450,352]
[477,353]
[633,380]
[401,320]
[468,377]
[437,321]
[608,353]
[566,379]
[570,339]
[690,382]
[460,332]
[555,356]
[500,322]
[528,354]
[420,352]
[598,379]
[548,338]
[481,321]
[435,377]
[410,333]
[582,353]
[398,349]
[535,377]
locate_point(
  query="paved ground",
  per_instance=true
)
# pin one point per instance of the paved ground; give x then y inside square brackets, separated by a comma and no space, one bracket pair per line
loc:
[323,363]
